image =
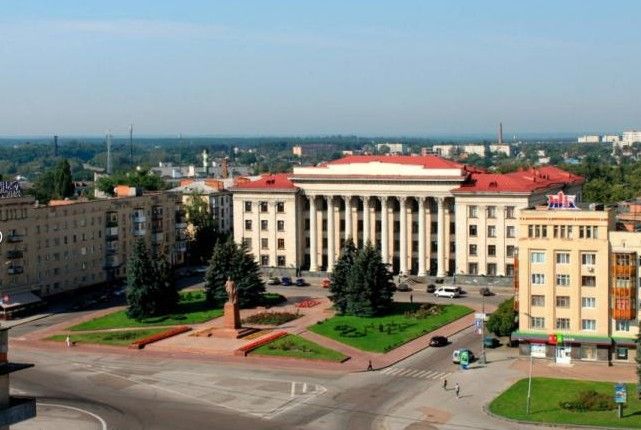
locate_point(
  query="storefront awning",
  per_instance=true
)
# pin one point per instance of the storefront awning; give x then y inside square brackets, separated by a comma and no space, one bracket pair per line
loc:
[15,300]
[523,336]
[624,341]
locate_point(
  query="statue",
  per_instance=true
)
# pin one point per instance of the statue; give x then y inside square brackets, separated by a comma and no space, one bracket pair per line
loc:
[232,293]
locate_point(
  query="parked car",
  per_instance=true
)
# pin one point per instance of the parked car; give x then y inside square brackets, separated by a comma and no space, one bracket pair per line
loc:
[300,282]
[431,288]
[491,342]
[457,354]
[485,291]
[326,283]
[286,281]
[450,292]
[403,287]
[439,281]
[438,341]
[274,280]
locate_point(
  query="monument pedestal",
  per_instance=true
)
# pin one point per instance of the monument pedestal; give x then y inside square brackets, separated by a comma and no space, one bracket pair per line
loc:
[232,328]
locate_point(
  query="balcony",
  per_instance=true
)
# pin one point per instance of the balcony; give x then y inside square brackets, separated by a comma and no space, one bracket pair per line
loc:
[14,254]
[157,237]
[181,225]
[15,270]
[140,232]
[139,218]
[181,246]
[112,261]
[111,248]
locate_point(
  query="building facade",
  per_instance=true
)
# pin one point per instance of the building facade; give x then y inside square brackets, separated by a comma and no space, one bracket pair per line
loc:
[215,194]
[426,215]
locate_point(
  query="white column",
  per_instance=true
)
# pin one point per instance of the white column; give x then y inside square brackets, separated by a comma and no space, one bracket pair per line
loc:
[384,231]
[421,236]
[330,233]
[348,217]
[440,269]
[402,267]
[366,215]
[313,248]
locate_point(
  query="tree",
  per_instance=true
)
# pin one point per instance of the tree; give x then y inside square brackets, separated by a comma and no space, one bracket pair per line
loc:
[141,297]
[230,260]
[204,233]
[63,181]
[165,286]
[340,275]
[503,321]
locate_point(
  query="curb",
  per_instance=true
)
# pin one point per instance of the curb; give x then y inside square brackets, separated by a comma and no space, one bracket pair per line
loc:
[27,321]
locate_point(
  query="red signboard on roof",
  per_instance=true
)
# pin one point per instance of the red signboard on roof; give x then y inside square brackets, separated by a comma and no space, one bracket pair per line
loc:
[561,201]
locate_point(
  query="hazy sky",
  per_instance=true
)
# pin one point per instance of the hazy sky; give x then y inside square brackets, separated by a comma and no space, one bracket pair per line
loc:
[273,67]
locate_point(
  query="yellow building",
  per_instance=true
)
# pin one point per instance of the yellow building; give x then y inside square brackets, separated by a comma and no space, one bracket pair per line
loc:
[577,284]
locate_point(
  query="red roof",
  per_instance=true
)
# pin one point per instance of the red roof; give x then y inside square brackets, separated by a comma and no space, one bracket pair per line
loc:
[429,161]
[277,181]
[521,181]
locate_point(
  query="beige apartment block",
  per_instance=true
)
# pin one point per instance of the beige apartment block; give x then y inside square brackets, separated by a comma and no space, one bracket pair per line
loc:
[424,213]
[65,245]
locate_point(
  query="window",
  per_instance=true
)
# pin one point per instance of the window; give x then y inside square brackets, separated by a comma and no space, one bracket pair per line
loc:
[622,325]
[588,259]
[472,268]
[537,322]
[280,225]
[491,250]
[538,278]
[537,257]
[509,270]
[491,211]
[562,301]
[510,231]
[509,212]
[562,280]
[588,281]
[472,250]
[491,269]
[588,352]
[280,261]
[248,206]
[509,251]
[263,206]
[248,224]
[473,230]
[562,323]
[264,260]
[562,258]
[264,224]
[281,244]
[264,243]
[280,207]
[247,242]
[622,353]
[588,302]
[491,231]
[588,325]
[472,211]
[538,300]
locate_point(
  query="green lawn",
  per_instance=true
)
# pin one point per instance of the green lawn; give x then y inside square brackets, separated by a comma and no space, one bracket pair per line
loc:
[297,347]
[118,338]
[548,392]
[192,309]
[397,328]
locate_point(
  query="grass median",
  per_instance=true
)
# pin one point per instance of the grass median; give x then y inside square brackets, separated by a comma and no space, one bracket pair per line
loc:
[546,395]
[117,338]
[384,333]
[298,347]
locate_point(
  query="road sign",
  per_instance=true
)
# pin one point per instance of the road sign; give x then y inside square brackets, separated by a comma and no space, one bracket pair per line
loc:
[620,393]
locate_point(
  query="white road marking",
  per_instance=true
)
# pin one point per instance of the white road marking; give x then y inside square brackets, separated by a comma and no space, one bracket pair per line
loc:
[102,422]
[422,373]
[293,393]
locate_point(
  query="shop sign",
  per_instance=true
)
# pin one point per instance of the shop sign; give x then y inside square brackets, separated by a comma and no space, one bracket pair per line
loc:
[620,393]
[10,189]
[561,201]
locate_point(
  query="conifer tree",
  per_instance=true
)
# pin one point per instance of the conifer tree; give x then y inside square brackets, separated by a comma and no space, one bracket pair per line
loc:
[338,286]
[141,285]
[63,181]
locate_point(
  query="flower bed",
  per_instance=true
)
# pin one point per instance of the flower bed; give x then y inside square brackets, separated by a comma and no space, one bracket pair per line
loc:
[309,303]
[141,343]
[271,318]
[245,349]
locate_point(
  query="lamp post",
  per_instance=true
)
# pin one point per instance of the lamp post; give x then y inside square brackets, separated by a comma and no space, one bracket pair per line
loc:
[529,384]
[482,358]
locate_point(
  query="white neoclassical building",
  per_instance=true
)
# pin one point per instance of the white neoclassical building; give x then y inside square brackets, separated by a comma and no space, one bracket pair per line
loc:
[426,215]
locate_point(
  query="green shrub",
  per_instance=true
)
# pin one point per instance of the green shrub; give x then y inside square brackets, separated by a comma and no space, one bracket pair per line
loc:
[589,400]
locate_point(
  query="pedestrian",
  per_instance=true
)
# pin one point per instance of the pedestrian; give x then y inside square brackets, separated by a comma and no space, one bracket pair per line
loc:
[411,299]
[457,390]
[369,366]
[68,341]
[445,383]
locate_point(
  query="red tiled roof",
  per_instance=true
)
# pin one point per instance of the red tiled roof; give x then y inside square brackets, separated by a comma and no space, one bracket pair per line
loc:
[522,181]
[429,161]
[276,181]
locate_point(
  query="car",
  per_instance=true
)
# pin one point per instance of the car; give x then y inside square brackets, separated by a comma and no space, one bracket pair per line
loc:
[326,283]
[491,342]
[450,292]
[456,355]
[286,281]
[439,280]
[300,282]
[485,292]
[274,280]
[200,270]
[438,341]
[431,288]
[403,287]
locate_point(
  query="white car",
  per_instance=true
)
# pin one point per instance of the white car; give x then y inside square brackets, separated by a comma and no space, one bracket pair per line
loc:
[450,292]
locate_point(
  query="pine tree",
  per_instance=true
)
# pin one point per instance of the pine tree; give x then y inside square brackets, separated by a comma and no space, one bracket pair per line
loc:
[63,182]
[338,286]
[141,286]
[230,260]
[165,285]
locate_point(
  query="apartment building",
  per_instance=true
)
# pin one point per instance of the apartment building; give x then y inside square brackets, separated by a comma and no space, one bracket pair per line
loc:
[577,289]
[215,193]
[56,248]
[427,215]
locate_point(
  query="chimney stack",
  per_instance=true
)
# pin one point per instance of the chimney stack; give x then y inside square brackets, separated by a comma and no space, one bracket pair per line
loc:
[500,133]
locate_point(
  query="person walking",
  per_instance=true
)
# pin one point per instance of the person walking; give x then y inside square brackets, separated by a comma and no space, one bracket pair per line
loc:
[369,366]
[445,383]
[411,299]
[457,390]
[68,341]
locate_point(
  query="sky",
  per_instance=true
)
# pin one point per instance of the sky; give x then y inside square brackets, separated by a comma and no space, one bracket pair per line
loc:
[281,67]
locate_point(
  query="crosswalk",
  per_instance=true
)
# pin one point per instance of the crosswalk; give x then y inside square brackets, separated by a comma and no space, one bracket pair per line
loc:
[414,373]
